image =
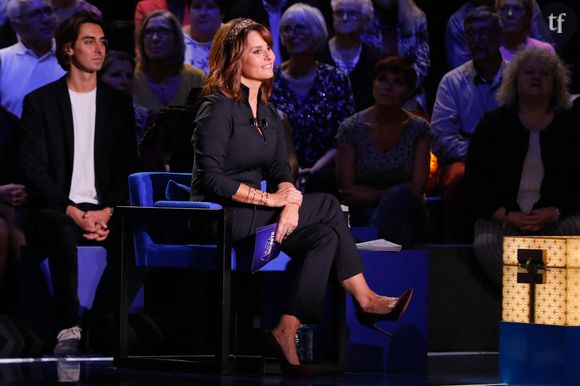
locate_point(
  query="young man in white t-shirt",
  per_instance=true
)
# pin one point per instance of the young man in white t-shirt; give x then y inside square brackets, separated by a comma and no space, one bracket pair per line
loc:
[77,149]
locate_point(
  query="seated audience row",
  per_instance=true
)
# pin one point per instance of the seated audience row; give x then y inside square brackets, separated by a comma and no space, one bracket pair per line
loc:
[455,43]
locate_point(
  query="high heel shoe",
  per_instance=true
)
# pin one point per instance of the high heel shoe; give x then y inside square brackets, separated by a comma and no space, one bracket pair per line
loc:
[272,347]
[370,319]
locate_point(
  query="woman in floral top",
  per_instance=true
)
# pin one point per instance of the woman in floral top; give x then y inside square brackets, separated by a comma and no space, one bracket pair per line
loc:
[383,158]
[400,28]
[205,18]
[315,96]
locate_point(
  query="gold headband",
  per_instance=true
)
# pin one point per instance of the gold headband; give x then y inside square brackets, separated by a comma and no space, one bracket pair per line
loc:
[238,28]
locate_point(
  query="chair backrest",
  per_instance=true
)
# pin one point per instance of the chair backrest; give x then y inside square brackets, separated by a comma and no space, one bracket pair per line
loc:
[146,188]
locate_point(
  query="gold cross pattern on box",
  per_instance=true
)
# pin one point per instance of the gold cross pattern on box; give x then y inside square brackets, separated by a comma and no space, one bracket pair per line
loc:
[557,294]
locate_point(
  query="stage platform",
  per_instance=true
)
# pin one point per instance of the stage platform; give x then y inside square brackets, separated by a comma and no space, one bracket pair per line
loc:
[444,369]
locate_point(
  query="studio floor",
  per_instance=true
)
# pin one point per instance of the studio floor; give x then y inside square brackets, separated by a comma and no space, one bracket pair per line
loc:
[444,369]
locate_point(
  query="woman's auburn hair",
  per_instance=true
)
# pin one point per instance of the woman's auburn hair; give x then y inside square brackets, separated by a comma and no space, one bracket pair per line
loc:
[225,60]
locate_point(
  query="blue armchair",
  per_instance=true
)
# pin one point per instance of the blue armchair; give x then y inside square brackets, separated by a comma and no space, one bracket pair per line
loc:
[160,210]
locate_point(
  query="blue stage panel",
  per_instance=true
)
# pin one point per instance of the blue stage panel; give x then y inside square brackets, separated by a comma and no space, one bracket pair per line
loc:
[391,273]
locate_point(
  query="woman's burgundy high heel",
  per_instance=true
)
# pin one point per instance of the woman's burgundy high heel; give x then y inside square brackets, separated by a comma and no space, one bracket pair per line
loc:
[271,346]
[370,319]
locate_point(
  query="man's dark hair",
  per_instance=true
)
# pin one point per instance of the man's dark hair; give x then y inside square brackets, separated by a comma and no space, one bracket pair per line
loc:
[68,32]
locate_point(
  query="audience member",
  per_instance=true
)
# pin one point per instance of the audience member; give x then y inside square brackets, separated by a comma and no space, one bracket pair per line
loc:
[205,18]
[31,62]
[347,52]
[161,78]
[268,13]
[516,17]
[523,164]
[64,9]
[179,9]
[315,96]
[455,45]
[118,72]
[400,28]
[463,96]
[382,163]
[77,149]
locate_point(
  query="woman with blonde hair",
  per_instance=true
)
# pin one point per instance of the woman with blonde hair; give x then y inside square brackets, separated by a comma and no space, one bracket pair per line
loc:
[239,142]
[399,28]
[522,164]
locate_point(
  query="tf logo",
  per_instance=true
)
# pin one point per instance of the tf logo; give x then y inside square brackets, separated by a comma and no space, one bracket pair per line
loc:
[561,21]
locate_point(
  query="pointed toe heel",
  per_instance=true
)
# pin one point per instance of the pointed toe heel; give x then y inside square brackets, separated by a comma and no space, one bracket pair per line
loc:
[272,347]
[370,319]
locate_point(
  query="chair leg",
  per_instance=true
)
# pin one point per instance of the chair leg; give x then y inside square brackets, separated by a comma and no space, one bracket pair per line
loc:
[224,256]
[123,300]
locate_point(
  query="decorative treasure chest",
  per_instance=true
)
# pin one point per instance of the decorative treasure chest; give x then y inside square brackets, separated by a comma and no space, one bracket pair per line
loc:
[539,334]
[541,280]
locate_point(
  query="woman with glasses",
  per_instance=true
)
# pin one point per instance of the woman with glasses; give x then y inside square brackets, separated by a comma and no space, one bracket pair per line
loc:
[516,17]
[399,27]
[316,97]
[347,52]
[161,78]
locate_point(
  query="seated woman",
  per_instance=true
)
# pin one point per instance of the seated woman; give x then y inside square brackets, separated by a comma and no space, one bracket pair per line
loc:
[522,164]
[315,96]
[383,158]
[239,142]
[205,18]
[347,52]
[161,78]
[516,18]
[399,27]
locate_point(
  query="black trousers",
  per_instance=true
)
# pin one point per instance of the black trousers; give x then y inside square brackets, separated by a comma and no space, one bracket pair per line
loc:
[58,235]
[321,242]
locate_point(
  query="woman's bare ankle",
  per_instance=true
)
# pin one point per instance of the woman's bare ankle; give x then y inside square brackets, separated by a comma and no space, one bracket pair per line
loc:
[377,304]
